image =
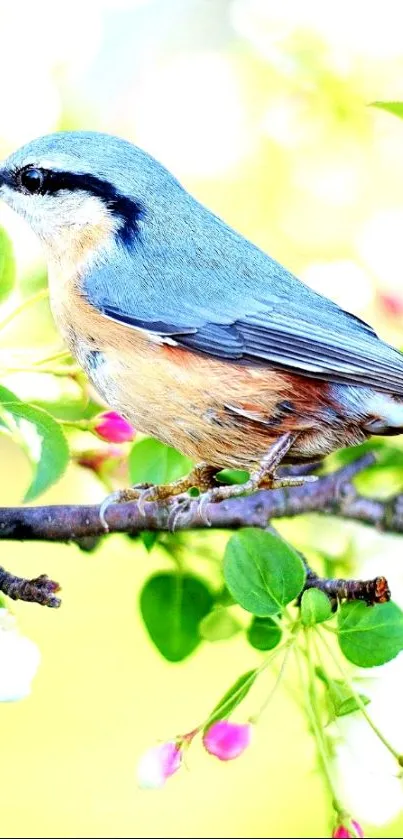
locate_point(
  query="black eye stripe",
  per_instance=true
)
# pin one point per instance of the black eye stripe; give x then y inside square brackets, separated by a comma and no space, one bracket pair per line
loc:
[54,181]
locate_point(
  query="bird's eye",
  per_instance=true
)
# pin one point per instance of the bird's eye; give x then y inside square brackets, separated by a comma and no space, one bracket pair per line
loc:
[32,180]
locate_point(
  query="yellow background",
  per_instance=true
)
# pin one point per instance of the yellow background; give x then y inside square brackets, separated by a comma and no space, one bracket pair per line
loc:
[261,109]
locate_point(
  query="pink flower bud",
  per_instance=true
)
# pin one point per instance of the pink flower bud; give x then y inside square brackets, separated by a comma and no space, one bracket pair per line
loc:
[227,740]
[95,458]
[342,832]
[113,428]
[391,303]
[158,764]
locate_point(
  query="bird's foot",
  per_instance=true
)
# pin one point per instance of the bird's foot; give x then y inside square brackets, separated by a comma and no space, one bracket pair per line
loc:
[121,496]
[181,511]
[264,477]
[201,477]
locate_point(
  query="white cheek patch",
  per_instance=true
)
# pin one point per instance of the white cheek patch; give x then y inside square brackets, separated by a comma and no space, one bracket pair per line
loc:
[17,201]
[48,215]
[79,209]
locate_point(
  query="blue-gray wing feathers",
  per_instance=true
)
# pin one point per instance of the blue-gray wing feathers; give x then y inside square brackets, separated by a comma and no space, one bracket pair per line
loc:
[214,292]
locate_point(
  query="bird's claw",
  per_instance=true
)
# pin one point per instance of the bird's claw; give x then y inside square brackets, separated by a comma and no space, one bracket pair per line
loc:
[134,493]
[184,505]
[112,498]
[205,499]
[144,497]
[181,509]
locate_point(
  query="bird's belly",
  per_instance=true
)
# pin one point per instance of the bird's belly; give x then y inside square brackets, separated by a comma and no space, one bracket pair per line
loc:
[222,413]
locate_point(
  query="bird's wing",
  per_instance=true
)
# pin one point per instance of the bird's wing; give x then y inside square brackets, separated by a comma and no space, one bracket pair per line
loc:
[270,317]
[288,342]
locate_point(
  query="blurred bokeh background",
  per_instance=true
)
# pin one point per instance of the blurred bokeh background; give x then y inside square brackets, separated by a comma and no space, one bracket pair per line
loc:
[262,110]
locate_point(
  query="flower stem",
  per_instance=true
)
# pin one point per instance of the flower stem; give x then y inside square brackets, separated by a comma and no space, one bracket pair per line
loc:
[54,357]
[359,702]
[256,717]
[65,370]
[315,719]
[249,682]
[29,301]
[82,424]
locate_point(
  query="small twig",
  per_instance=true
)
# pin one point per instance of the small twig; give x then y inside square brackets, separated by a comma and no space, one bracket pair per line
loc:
[370,591]
[39,590]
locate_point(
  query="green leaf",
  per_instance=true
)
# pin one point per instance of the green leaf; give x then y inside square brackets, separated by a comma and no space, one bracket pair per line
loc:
[342,700]
[47,448]
[7,266]
[149,538]
[232,476]
[370,635]
[153,462]
[315,607]
[339,694]
[232,698]
[6,395]
[263,633]
[224,597]
[172,606]
[262,572]
[395,108]
[219,625]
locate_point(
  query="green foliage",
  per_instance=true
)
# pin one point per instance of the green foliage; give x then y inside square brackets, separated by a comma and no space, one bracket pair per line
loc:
[232,697]
[149,539]
[315,607]
[342,700]
[6,395]
[262,572]
[172,606]
[370,636]
[41,438]
[340,697]
[219,625]
[153,462]
[7,266]
[224,597]
[395,108]
[263,633]
[232,476]
[388,454]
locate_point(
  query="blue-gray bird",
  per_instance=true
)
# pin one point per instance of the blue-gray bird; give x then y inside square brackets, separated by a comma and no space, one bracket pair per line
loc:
[186,328]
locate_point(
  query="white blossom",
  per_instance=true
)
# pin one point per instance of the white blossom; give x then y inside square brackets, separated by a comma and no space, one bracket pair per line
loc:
[367,774]
[19,660]
[157,764]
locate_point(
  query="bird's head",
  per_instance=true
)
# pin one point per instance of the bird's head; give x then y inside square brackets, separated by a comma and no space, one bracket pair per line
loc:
[70,183]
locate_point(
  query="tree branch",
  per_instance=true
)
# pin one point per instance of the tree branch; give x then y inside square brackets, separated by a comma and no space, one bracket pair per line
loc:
[332,494]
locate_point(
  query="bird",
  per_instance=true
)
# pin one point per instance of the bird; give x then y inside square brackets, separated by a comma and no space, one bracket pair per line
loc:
[189,330]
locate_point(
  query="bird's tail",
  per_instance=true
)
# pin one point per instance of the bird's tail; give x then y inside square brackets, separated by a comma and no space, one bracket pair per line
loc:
[385,416]
[374,411]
